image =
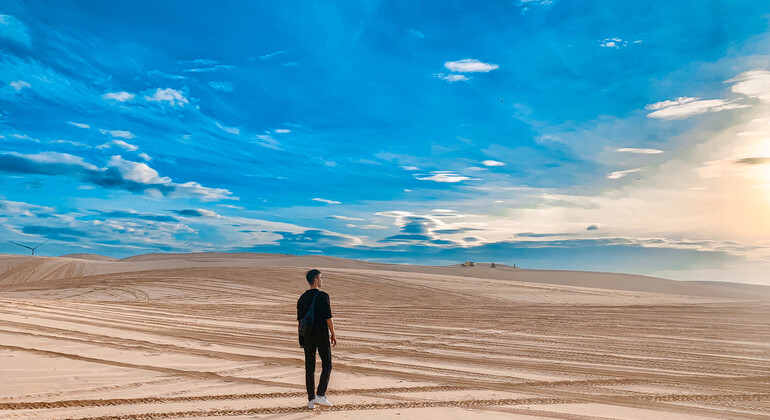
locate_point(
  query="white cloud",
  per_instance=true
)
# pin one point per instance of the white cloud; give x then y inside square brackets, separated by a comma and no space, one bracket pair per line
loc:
[492,163]
[221,86]
[281,131]
[640,151]
[208,69]
[119,96]
[173,97]
[206,194]
[137,172]
[469,65]
[665,104]
[323,200]
[143,174]
[613,43]
[345,218]
[71,143]
[118,133]
[19,85]
[272,54]
[268,141]
[754,84]
[55,157]
[451,78]
[120,143]
[367,227]
[13,29]
[208,213]
[79,125]
[231,130]
[444,176]
[24,137]
[145,156]
[21,208]
[691,108]
[410,168]
[198,62]
[230,206]
[621,174]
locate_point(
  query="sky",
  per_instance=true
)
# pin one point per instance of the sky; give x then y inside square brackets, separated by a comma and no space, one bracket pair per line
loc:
[604,136]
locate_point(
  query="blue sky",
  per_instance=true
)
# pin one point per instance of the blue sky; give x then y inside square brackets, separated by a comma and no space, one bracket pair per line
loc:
[600,136]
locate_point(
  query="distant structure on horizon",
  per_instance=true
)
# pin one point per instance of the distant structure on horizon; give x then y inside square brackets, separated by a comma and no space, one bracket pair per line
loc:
[29,247]
[493,265]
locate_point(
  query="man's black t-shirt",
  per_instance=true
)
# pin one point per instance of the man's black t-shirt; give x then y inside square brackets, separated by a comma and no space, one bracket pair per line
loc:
[323,311]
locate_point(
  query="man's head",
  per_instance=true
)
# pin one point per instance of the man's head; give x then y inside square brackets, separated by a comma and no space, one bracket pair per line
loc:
[314,278]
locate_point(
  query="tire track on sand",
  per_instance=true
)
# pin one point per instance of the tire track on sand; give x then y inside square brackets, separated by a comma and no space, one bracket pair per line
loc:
[35,405]
[344,407]
[168,371]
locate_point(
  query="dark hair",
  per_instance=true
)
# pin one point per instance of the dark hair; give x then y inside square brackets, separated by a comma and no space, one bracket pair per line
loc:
[311,275]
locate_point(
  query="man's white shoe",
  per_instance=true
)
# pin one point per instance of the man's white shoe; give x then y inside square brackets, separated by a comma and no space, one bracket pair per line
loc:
[321,400]
[310,405]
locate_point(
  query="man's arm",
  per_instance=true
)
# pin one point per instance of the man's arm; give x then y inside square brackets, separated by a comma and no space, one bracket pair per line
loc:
[330,324]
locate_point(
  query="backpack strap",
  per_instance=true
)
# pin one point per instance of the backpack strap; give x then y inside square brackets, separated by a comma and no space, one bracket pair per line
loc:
[312,303]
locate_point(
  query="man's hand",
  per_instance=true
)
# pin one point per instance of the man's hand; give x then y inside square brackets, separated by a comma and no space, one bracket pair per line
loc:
[334,340]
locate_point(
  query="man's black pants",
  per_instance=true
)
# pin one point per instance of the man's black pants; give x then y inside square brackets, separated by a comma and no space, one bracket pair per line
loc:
[321,344]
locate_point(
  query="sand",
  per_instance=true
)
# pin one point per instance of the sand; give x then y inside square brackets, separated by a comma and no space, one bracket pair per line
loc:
[214,336]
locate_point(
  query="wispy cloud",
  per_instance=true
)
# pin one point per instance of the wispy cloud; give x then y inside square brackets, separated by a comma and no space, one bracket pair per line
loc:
[171,96]
[209,69]
[14,30]
[469,65]
[345,218]
[119,143]
[444,176]
[79,125]
[451,78]
[69,142]
[118,133]
[198,62]
[221,86]
[366,227]
[665,104]
[56,158]
[266,140]
[18,85]
[492,163]
[621,174]
[231,130]
[21,208]
[24,137]
[416,34]
[753,83]
[323,200]
[119,96]
[272,54]
[694,107]
[281,131]
[639,151]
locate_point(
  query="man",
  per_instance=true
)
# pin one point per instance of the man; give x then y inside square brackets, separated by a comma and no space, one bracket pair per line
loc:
[318,339]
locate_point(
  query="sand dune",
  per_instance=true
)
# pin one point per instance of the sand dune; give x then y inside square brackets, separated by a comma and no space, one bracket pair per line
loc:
[214,335]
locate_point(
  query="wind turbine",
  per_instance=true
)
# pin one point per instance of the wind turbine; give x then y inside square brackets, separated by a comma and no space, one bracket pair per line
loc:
[29,247]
